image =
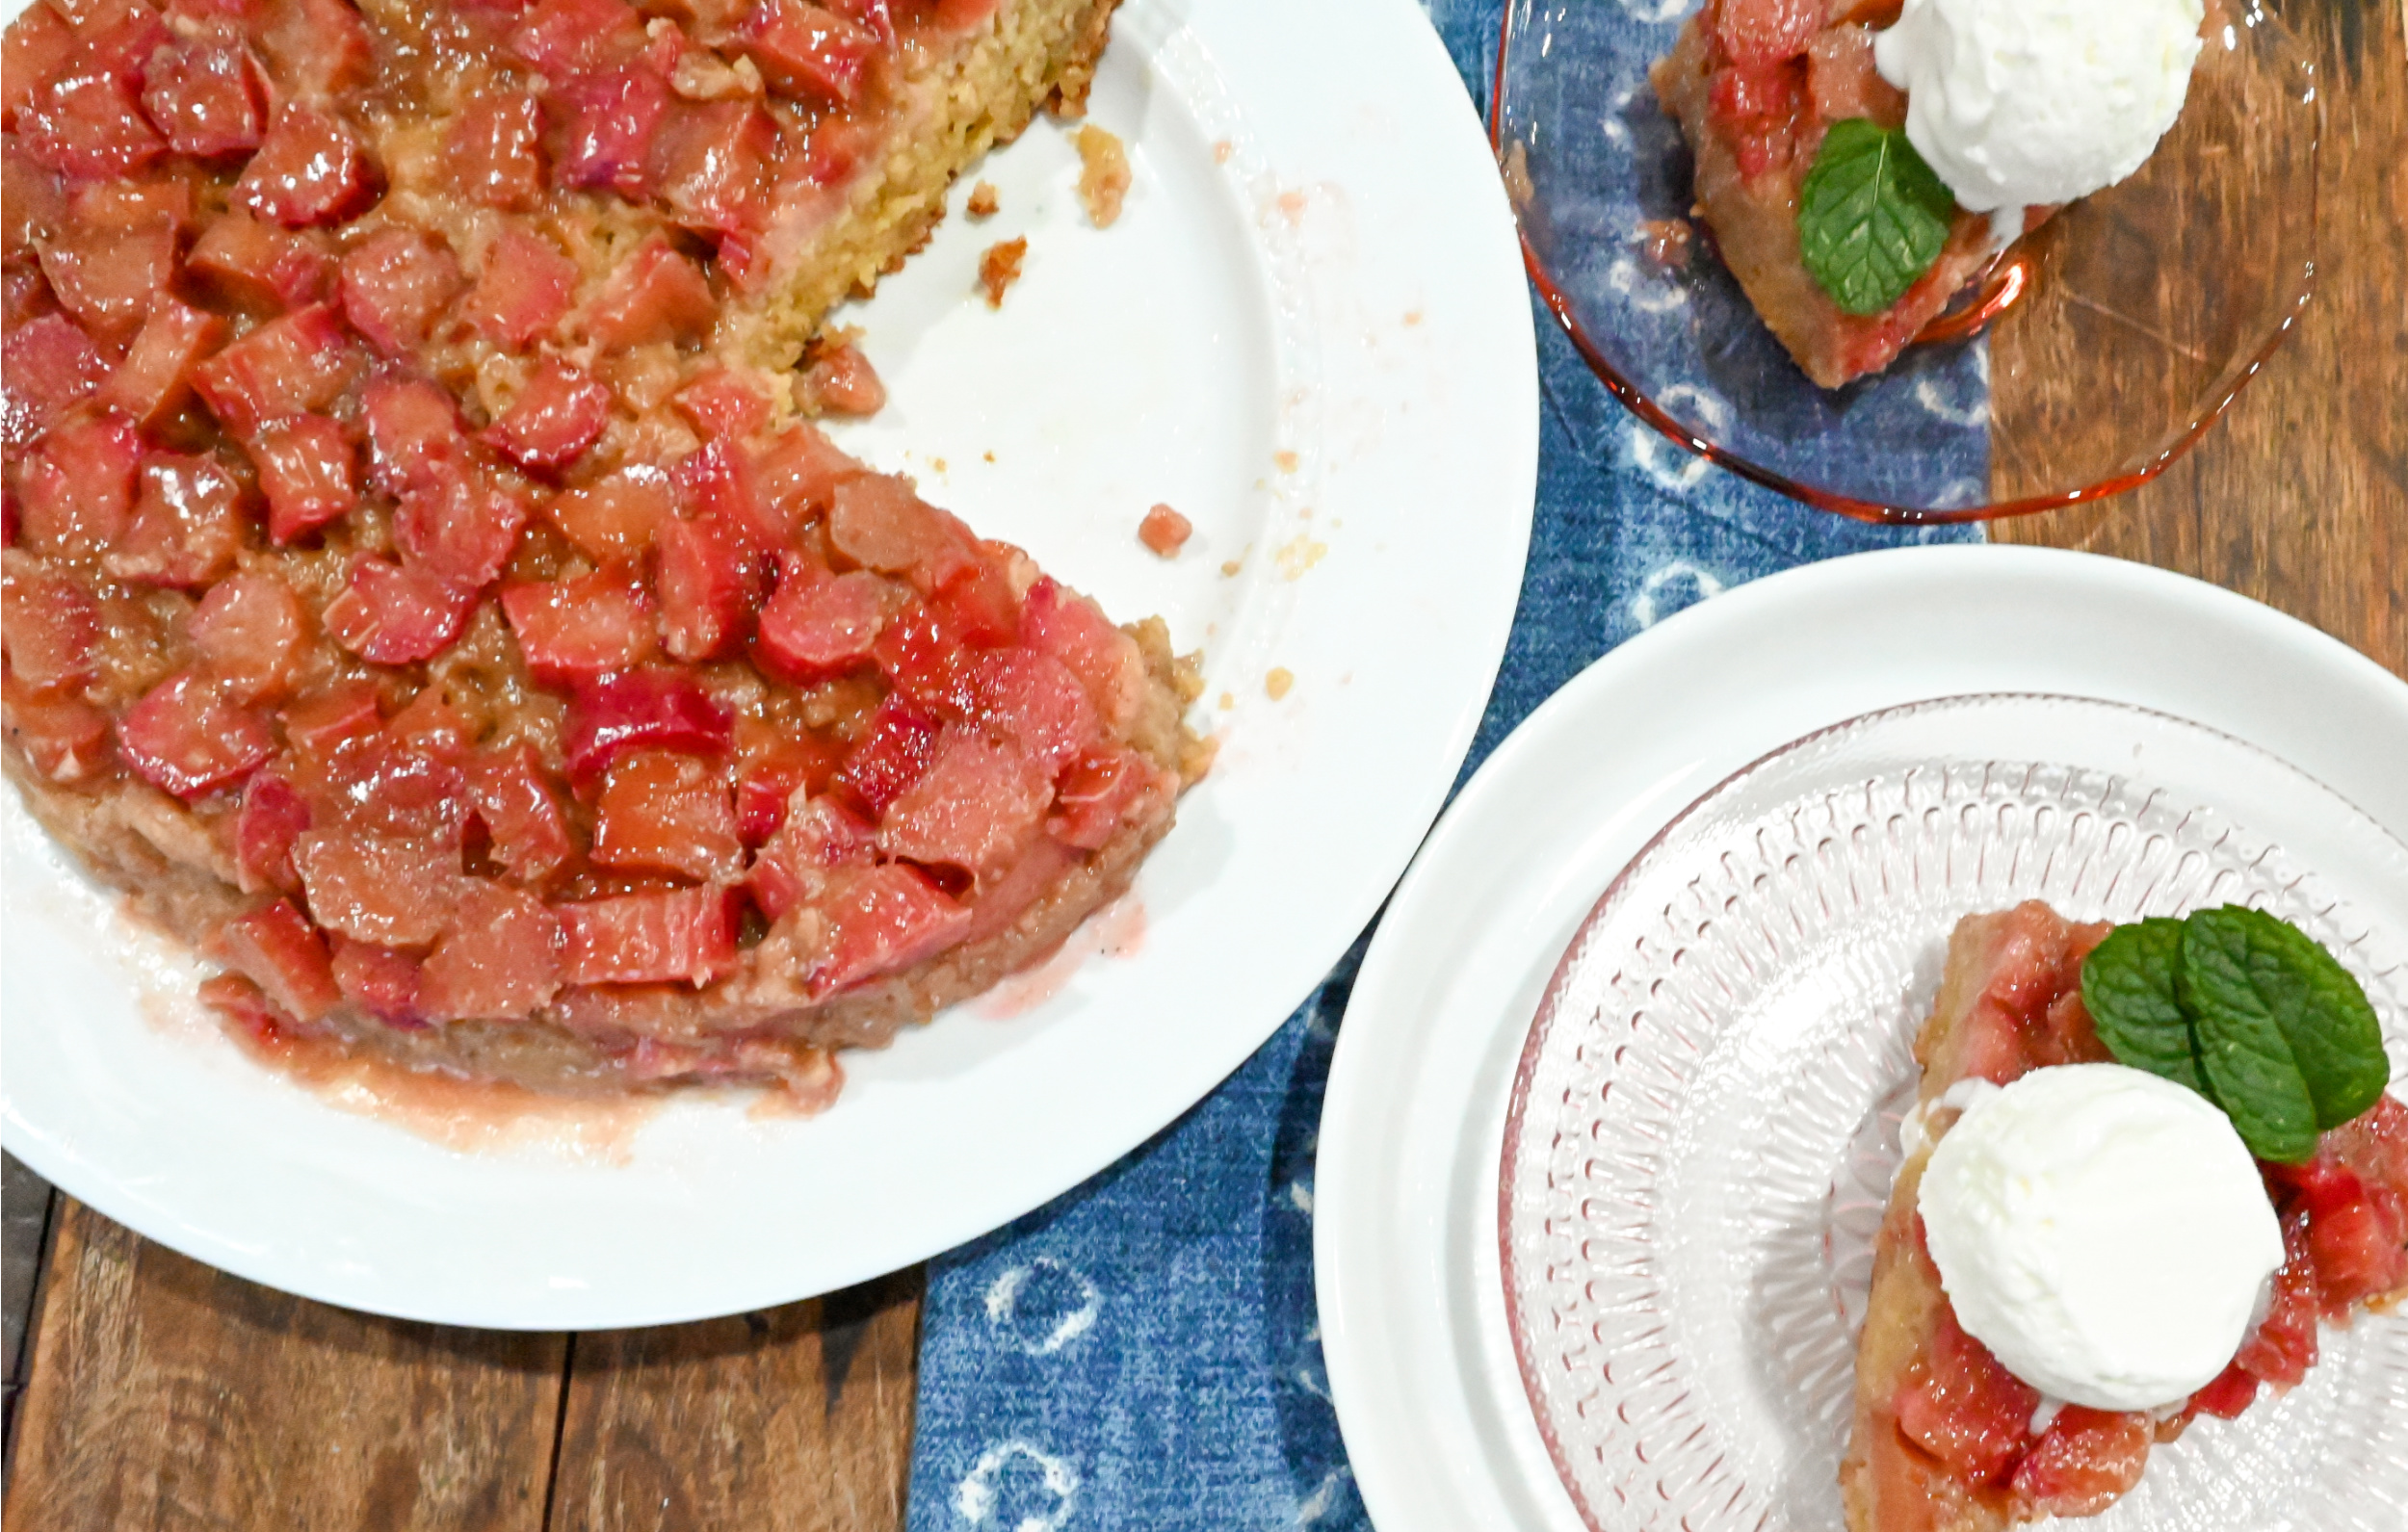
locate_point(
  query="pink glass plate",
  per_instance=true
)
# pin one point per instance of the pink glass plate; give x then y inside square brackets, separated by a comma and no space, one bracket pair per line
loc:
[2095,354]
[1704,1123]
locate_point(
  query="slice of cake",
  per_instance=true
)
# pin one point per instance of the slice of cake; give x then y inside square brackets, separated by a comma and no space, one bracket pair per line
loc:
[1946,1437]
[420,590]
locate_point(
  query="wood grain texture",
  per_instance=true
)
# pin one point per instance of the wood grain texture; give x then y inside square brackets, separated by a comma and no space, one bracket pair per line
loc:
[165,1395]
[25,1200]
[2299,496]
[794,1420]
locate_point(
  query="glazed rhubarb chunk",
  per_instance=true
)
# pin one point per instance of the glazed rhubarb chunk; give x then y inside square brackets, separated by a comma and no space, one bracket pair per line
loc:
[687,936]
[385,889]
[658,295]
[156,376]
[665,812]
[188,737]
[307,472]
[705,581]
[202,94]
[49,363]
[501,958]
[325,721]
[188,524]
[260,266]
[107,277]
[51,625]
[265,828]
[511,794]
[460,530]
[37,43]
[75,491]
[309,171]
[564,37]
[495,150]
[87,119]
[299,363]
[379,980]
[1964,1408]
[817,624]
[313,48]
[802,48]
[251,631]
[1097,794]
[2085,1462]
[977,807]
[559,413]
[615,518]
[893,753]
[277,948]
[720,484]
[654,706]
[522,291]
[570,629]
[1032,699]
[818,836]
[414,436]
[1766,32]
[710,159]
[609,122]
[391,615]
[884,919]
[395,283]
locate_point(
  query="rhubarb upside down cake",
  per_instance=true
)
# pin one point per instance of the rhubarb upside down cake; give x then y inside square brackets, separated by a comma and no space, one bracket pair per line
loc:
[425,589]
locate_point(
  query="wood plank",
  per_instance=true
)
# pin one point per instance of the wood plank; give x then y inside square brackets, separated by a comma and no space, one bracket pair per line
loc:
[794,1420]
[2299,496]
[169,1395]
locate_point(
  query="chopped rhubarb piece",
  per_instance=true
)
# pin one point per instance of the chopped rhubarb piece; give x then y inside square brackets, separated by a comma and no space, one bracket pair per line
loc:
[706,584]
[49,364]
[766,781]
[817,624]
[570,629]
[1034,699]
[414,436]
[800,47]
[106,277]
[202,94]
[83,123]
[663,811]
[1057,621]
[879,521]
[251,631]
[188,524]
[2232,1392]
[379,980]
[657,295]
[689,935]
[923,656]
[51,625]
[309,169]
[75,491]
[38,44]
[892,754]
[307,471]
[2085,1461]
[564,37]
[289,366]
[392,891]
[186,736]
[271,817]
[277,948]
[885,918]
[977,806]
[1766,32]
[2354,1242]
[495,150]
[1842,82]
[522,290]
[1744,93]
[1164,532]
[385,788]
[394,285]
[1964,1408]
[556,417]
[709,160]
[431,723]
[259,266]
[723,402]
[614,519]
[817,837]
[67,739]
[390,616]
[512,797]
[1097,794]
[170,198]
[609,122]
[325,721]
[461,530]
[2285,1347]
[314,48]
[157,372]
[653,707]
[719,484]
[841,381]
[501,958]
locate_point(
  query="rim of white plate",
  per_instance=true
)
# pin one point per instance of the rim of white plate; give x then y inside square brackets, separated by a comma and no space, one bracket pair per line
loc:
[1357,179]
[1412,1308]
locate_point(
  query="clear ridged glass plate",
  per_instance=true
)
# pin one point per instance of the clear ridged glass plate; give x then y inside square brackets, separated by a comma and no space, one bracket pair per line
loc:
[1705,1121]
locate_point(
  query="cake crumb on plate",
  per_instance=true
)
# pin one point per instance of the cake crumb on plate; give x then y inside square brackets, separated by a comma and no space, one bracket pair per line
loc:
[1000,267]
[1165,531]
[1277,681]
[1104,174]
[984,201]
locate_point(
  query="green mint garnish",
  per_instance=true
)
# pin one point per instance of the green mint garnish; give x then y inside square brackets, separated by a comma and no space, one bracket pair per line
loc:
[2250,1012]
[1871,215]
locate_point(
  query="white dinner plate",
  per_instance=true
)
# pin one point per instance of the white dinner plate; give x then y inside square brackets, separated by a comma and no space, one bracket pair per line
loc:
[1412,1310]
[1309,332]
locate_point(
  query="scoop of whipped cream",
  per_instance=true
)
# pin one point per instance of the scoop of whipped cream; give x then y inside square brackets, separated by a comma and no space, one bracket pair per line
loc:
[2103,1231]
[2019,102]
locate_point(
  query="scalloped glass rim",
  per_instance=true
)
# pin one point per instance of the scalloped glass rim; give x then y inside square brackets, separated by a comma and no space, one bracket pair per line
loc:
[2216,400]
[1857,1149]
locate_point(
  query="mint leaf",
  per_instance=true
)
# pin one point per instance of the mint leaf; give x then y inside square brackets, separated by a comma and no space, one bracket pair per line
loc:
[1871,215]
[2128,985]
[2246,971]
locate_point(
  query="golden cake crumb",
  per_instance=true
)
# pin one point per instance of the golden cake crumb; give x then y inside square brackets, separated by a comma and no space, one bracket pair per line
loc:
[984,201]
[998,267]
[1222,149]
[1165,531]
[1287,461]
[1104,174]
[1277,682]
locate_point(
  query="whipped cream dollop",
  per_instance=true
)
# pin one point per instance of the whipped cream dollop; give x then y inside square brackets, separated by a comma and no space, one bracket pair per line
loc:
[2103,1232]
[2019,102]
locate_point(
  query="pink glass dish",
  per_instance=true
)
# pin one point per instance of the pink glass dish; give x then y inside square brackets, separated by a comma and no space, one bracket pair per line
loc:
[2097,351]
[1704,1123]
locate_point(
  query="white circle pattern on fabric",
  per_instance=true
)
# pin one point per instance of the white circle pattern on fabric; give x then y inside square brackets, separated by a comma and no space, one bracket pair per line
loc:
[1004,1298]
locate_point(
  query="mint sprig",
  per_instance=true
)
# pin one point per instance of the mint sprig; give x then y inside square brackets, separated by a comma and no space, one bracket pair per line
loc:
[2250,1012]
[1871,215]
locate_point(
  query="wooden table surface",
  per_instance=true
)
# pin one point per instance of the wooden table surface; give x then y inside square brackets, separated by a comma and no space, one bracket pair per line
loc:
[146,1392]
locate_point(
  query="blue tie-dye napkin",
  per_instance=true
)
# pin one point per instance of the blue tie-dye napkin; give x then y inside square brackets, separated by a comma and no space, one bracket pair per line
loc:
[1144,1353]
